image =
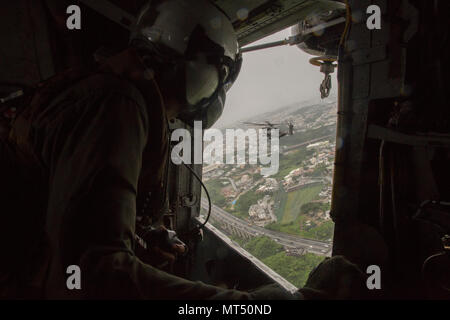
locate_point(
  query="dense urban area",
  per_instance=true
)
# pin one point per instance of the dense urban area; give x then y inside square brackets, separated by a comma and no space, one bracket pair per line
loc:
[253,209]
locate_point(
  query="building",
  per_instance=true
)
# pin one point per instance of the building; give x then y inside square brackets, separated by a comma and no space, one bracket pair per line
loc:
[270,185]
[261,213]
[318,144]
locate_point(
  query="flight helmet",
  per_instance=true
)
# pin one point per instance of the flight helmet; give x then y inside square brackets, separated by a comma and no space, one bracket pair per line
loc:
[195,48]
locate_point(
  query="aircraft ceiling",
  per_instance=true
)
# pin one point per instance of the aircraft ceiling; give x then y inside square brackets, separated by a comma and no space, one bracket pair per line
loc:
[256,19]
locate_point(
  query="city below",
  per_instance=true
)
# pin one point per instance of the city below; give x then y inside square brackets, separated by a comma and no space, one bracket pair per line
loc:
[282,219]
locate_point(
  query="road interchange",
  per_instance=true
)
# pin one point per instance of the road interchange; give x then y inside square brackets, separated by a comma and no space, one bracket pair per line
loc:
[286,240]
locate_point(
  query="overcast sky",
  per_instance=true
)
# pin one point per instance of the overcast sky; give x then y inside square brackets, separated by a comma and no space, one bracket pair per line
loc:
[272,78]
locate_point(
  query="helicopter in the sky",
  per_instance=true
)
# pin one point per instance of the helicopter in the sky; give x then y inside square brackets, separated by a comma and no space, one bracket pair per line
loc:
[267,125]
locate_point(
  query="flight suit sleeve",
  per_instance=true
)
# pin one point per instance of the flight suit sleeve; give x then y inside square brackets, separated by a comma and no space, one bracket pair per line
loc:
[95,150]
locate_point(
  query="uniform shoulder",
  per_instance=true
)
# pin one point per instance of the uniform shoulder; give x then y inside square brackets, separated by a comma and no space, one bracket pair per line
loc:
[108,83]
[112,83]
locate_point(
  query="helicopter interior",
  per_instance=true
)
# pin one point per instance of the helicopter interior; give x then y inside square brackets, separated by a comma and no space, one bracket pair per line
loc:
[391,190]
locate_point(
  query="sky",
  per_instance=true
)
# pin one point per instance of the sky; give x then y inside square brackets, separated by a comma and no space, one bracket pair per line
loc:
[270,79]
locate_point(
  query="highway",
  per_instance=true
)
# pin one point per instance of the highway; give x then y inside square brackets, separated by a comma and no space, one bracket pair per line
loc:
[289,241]
[289,148]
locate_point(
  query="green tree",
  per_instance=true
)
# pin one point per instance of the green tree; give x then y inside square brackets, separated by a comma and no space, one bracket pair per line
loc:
[263,247]
[295,269]
[215,192]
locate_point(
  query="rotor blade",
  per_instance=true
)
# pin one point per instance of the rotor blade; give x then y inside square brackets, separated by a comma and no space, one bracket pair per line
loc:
[254,124]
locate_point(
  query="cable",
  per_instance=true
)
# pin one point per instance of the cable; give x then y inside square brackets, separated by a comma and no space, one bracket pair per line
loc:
[207,194]
[381,186]
[393,197]
[347,23]
[204,188]
[188,167]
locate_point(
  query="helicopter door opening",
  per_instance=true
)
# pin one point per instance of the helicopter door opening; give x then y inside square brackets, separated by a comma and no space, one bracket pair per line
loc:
[279,221]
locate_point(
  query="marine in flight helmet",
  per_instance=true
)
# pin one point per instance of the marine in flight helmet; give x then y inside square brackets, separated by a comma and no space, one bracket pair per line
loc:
[193,46]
